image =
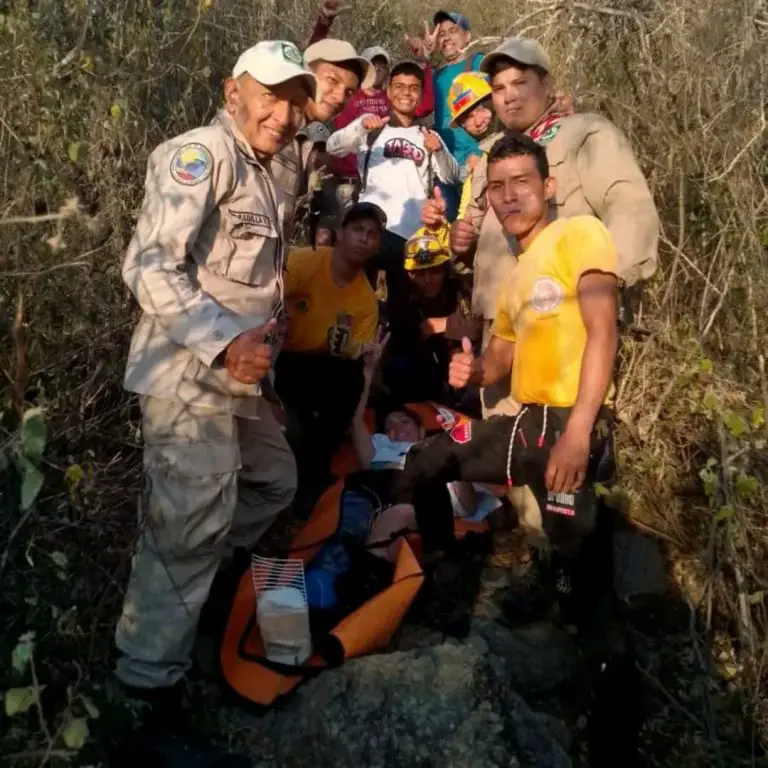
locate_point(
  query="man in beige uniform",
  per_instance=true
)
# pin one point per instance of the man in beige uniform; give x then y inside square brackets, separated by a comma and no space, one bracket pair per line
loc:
[340,72]
[205,264]
[592,161]
[596,173]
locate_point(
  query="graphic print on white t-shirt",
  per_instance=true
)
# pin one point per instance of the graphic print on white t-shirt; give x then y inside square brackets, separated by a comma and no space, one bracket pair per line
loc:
[399,174]
[399,171]
[405,149]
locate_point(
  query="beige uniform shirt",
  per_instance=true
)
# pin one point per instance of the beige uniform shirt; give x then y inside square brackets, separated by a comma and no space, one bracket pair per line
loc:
[289,170]
[596,173]
[205,264]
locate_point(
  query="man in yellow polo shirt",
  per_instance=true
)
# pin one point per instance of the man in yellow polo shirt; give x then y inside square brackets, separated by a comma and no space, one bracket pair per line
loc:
[332,314]
[555,333]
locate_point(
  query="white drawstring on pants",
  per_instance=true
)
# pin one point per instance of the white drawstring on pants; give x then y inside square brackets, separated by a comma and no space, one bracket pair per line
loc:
[514,433]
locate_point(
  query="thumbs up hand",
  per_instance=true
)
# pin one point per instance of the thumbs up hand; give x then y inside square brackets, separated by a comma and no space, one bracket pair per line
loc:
[464,235]
[433,210]
[432,142]
[464,366]
[374,122]
[248,358]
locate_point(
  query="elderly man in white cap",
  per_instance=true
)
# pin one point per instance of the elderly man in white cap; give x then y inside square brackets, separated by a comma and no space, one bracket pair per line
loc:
[206,266]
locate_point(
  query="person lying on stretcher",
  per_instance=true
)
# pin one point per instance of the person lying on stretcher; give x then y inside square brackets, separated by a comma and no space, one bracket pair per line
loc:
[397,429]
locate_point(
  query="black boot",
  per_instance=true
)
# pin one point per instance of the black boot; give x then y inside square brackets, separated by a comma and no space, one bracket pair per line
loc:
[167,739]
[535,592]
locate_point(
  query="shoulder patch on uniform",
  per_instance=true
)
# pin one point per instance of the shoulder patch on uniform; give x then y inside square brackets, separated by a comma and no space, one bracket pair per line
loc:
[549,134]
[547,129]
[191,164]
[547,294]
[462,432]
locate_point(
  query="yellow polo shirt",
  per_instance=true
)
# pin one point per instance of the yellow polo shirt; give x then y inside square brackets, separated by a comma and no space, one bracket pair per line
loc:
[324,317]
[538,309]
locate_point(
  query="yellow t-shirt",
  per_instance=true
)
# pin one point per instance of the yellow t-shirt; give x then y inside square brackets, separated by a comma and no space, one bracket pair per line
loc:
[539,311]
[324,317]
[466,196]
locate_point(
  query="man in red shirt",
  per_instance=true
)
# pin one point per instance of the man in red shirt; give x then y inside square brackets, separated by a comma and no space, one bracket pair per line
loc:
[340,188]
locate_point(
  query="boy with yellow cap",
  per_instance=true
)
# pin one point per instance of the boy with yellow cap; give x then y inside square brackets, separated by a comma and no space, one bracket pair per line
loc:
[428,322]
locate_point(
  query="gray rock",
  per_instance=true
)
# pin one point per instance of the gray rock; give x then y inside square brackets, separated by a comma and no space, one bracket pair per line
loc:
[557,728]
[538,657]
[479,643]
[441,706]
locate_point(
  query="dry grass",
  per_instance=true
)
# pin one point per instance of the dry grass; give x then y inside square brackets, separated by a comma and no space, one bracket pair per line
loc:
[89,87]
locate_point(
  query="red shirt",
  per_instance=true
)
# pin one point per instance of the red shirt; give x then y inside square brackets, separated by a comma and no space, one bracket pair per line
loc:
[373,102]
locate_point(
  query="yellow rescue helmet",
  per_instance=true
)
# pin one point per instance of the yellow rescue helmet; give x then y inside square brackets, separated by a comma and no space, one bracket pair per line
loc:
[467,90]
[425,250]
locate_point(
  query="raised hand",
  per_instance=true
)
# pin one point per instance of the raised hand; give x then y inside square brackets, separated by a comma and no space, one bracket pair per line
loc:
[416,46]
[433,210]
[463,365]
[432,141]
[464,235]
[330,9]
[373,351]
[374,122]
[430,39]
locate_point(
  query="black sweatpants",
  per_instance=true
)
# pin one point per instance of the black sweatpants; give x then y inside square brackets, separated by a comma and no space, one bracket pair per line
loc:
[479,451]
[320,394]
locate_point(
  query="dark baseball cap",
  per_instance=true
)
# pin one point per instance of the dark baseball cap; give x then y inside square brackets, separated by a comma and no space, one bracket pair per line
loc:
[360,211]
[459,19]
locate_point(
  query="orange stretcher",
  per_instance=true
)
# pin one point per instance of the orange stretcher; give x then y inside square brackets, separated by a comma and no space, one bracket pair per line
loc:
[368,629]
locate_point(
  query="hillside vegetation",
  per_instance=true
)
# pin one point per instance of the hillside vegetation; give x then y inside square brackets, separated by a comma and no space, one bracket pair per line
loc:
[88,87]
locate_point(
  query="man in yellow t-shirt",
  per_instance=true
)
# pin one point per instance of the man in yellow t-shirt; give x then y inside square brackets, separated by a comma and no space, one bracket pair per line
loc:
[332,314]
[556,334]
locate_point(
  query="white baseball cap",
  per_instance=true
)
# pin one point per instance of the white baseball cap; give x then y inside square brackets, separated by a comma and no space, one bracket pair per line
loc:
[272,62]
[374,52]
[523,50]
[341,52]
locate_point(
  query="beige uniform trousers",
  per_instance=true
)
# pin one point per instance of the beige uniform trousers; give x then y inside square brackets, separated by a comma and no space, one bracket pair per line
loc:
[213,481]
[497,401]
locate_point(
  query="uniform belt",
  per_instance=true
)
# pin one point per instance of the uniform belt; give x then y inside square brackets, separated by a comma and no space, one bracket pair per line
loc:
[347,180]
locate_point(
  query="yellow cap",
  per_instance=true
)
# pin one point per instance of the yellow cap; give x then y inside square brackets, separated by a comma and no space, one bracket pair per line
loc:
[467,90]
[424,250]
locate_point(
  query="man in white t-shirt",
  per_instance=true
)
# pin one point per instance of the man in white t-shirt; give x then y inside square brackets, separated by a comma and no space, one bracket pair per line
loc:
[399,162]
